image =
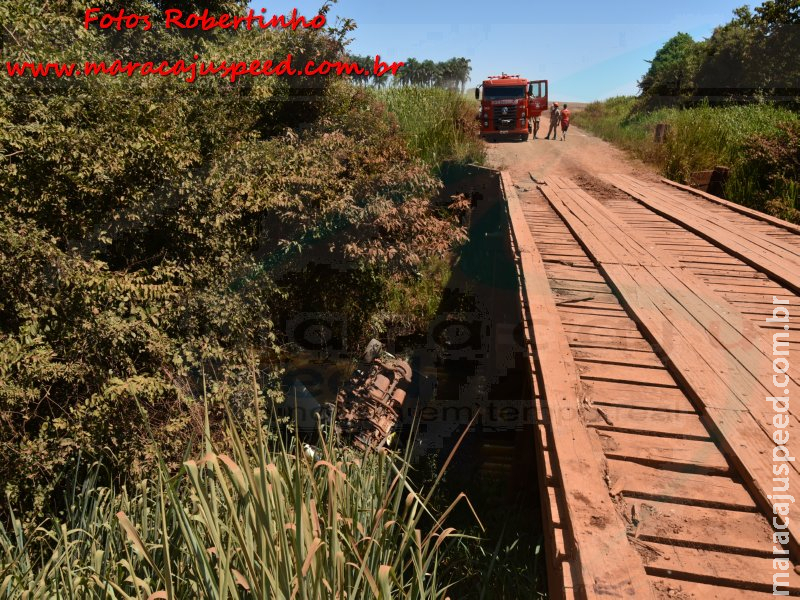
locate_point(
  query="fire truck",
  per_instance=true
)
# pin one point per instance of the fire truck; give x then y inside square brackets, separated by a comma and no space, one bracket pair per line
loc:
[511,106]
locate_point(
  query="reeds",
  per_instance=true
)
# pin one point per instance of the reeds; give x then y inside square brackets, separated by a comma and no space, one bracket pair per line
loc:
[439,124]
[268,519]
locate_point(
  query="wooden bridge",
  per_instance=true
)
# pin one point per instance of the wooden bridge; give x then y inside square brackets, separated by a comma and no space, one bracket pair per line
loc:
[655,320]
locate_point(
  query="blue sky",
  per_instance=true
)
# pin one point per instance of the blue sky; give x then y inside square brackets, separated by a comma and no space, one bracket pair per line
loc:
[588,49]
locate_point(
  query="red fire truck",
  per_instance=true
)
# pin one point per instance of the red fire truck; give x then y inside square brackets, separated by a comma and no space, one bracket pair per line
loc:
[511,105]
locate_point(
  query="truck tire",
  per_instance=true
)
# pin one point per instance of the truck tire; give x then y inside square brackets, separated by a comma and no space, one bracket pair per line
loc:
[524,137]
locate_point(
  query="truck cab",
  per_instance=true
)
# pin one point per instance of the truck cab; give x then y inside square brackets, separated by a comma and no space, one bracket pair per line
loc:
[511,105]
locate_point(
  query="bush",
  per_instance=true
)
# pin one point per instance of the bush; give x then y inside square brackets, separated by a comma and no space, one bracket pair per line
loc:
[757,142]
[771,172]
[152,230]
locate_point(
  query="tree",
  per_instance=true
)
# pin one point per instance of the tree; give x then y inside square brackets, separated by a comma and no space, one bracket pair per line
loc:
[671,72]
[775,14]
[754,55]
[149,226]
[728,65]
[778,24]
[463,71]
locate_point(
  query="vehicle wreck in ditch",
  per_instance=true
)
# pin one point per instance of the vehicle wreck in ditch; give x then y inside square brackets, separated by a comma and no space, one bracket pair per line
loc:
[369,407]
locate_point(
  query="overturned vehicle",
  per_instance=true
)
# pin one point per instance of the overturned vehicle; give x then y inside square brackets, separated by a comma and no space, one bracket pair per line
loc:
[368,411]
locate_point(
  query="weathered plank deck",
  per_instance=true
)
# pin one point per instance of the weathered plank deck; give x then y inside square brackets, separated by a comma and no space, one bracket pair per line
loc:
[653,361]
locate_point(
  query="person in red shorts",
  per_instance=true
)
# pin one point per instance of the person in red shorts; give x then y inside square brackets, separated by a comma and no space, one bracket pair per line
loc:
[564,122]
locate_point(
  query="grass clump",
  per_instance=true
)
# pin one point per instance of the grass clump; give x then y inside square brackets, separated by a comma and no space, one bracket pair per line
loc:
[758,142]
[439,124]
[260,520]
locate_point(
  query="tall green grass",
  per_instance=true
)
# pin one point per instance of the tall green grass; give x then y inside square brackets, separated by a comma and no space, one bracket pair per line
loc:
[617,121]
[700,138]
[439,124]
[264,520]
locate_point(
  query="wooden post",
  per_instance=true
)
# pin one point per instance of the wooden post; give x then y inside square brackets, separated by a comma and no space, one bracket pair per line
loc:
[662,131]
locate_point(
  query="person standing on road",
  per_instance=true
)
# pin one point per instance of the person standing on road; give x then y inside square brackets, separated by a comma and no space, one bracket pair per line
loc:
[564,122]
[534,126]
[555,121]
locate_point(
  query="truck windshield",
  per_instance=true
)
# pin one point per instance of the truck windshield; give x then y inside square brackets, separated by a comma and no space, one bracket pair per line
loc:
[504,93]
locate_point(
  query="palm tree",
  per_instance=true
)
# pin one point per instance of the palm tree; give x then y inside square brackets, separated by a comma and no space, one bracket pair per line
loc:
[427,73]
[409,72]
[448,71]
[464,71]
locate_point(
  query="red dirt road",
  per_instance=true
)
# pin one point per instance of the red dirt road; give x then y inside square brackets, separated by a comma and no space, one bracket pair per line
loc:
[581,154]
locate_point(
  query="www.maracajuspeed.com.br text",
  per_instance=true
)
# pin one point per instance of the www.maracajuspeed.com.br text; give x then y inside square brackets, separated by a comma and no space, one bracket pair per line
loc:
[192,70]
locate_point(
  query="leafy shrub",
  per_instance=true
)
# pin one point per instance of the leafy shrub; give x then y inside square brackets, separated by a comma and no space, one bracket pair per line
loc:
[153,231]
[757,142]
[772,170]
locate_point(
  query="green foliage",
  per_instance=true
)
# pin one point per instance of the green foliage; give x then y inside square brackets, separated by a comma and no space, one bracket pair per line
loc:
[758,142]
[772,173]
[439,124]
[452,74]
[80,342]
[672,70]
[510,561]
[262,521]
[754,55]
[412,302]
[148,225]
[621,120]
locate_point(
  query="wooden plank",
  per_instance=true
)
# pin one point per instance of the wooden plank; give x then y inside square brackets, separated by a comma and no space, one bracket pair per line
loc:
[708,321]
[740,337]
[596,305]
[565,297]
[615,356]
[631,420]
[701,527]
[591,322]
[555,513]
[579,286]
[634,480]
[669,205]
[791,227]
[694,358]
[717,568]
[743,340]
[636,396]
[769,261]
[625,374]
[691,590]
[741,227]
[668,453]
[593,328]
[586,340]
[597,530]
[560,271]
